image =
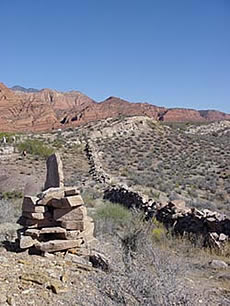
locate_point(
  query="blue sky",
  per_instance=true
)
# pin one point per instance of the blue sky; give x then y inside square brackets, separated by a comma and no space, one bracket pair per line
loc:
[173,53]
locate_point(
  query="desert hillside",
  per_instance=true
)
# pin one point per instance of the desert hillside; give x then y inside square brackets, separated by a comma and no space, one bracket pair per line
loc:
[168,171]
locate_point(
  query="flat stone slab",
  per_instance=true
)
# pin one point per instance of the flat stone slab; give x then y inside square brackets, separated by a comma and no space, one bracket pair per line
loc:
[71,192]
[33,232]
[32,223]
[58,245]
[53,194]
[77,225]
[70,214]
[36,215]
[72,201]
[52,230]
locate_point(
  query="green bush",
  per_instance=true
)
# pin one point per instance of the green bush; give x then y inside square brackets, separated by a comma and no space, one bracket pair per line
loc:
[35,147]
[9,136]
[7,195]
[115,213]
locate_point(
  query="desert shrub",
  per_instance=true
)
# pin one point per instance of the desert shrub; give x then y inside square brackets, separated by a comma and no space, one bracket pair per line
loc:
[7,195]
[89,196]
[58,143]
[114,212]
[6,211]
[9,136]
[35,147]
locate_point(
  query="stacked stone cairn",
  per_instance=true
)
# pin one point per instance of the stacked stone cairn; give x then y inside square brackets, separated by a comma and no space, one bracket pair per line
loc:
[56,219]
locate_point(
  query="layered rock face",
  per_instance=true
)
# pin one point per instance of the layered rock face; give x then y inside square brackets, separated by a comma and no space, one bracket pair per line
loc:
[37,111]
[49,109]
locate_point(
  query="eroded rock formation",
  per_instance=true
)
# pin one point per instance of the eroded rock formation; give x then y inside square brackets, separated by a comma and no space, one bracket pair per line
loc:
[49,109]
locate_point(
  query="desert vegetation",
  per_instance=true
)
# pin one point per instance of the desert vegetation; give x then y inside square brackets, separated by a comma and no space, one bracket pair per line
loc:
[152,267]
[172,163]
[35,147]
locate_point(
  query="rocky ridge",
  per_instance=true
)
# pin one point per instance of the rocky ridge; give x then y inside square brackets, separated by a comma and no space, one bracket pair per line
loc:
[49,109]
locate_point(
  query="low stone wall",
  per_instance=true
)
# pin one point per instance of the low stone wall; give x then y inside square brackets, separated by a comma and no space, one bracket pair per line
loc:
[129,198]
[96,170]
[214,227]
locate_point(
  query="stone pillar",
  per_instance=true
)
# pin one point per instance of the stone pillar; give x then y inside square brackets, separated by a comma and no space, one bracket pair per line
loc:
[54,175]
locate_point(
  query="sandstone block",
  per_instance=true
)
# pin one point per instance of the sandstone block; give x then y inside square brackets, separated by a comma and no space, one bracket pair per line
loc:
[77,225]
[26,242]
[54,176]
[33,232]
[48,195]
[72,201]
[52,230]
[32,223]
[70,214]
[36,215]
[53,194]
[71,192]
[73,225]
[58,245]
[29,203]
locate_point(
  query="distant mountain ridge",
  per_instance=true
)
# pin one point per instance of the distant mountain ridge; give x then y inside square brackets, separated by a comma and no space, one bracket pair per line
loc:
[23,89]
[24,109]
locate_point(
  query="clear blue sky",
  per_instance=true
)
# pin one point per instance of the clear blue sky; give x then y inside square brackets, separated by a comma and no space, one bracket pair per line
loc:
[174,53]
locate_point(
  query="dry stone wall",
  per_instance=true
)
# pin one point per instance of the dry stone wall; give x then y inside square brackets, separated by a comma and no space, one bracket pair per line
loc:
[214,227]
